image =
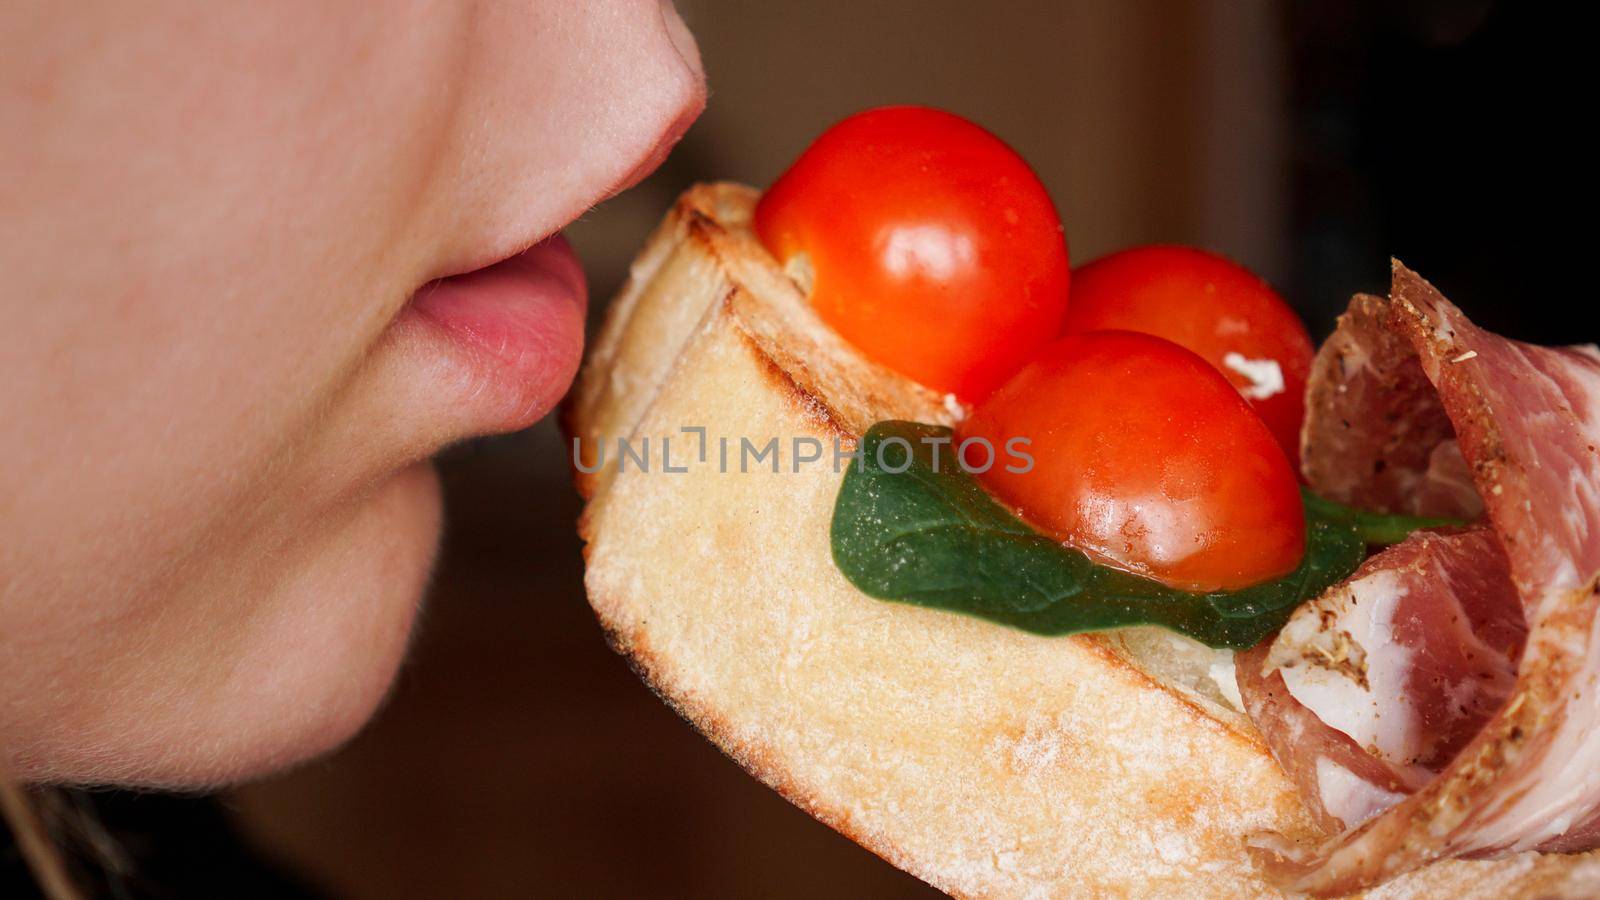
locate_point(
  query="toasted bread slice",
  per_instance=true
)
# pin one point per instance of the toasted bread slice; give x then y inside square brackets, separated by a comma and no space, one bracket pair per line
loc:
[986,761]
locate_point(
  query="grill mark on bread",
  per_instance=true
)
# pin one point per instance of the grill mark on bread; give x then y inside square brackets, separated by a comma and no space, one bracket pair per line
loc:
[785,383]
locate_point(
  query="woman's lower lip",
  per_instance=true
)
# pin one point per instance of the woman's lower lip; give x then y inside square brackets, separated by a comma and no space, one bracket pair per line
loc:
[516,327]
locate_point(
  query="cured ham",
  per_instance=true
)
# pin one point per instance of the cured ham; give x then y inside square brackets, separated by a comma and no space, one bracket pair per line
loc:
[1407,398]
[1376,435]
[1371,689]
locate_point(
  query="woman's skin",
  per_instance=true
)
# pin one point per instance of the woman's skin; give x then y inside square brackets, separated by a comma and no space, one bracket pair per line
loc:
[217,395]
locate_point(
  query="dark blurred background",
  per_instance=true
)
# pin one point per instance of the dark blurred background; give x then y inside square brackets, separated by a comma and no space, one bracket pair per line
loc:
[1311,141]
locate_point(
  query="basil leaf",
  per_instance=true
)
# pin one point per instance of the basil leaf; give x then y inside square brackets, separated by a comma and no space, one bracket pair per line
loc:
[1374,528]
[910,530]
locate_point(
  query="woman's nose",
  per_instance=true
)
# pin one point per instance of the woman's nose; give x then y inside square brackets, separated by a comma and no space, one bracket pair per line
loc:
[557,105]
[691,99]
[682,40]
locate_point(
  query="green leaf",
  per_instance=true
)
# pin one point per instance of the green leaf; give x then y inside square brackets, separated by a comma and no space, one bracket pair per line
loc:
[1374,528]
[930,535]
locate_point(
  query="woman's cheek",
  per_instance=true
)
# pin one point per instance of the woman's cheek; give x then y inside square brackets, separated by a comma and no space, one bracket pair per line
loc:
[211,468]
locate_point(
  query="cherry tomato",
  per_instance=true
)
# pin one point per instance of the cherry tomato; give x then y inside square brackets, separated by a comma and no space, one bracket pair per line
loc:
[927,243]
[1144,457]
[1213,306]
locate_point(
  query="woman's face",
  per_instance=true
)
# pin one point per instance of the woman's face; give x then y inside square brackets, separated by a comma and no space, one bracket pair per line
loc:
[222,373]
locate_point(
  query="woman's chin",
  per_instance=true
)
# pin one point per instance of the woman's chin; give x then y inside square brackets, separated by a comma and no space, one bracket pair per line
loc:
[323,667]
[295,671]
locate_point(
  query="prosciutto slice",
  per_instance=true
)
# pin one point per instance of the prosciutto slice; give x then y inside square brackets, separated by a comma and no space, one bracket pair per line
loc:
[1369,691]
[1376,435]
[1506,764]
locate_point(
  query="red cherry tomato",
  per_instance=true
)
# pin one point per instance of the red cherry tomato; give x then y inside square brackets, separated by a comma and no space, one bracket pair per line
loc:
[1145,457]
[928,243]
[1213,306]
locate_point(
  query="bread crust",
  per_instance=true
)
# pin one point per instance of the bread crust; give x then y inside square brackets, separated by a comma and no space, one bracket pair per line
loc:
[986,761]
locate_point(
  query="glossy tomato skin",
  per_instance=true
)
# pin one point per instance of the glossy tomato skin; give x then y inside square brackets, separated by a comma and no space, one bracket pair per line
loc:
[1213,306]
[1147,458]
[931,245]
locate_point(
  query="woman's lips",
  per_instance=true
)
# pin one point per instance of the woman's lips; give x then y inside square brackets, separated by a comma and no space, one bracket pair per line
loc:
[515,329]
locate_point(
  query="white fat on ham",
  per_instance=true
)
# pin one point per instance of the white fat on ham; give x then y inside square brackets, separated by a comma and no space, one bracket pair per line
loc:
[1349,797]
[1340,658]
[1386,676]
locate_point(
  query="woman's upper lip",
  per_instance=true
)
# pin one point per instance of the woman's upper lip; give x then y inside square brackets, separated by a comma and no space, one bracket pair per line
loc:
[514,322]
[658,154]
[500,250]
[515,326]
